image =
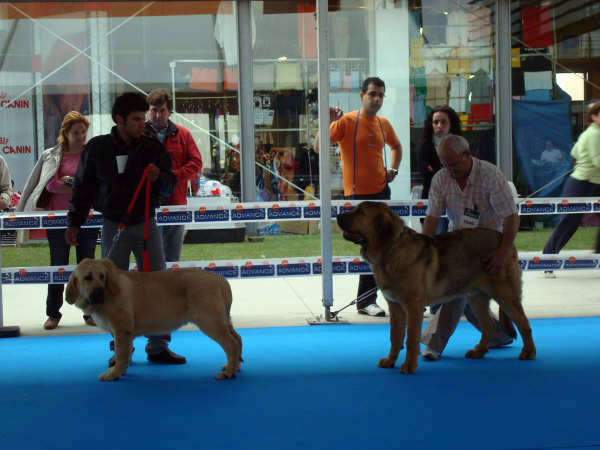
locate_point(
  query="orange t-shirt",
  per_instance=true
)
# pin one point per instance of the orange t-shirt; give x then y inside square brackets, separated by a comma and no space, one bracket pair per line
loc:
[370,171]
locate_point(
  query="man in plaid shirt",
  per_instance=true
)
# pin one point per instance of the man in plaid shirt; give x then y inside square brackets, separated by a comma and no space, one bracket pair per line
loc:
[474,193]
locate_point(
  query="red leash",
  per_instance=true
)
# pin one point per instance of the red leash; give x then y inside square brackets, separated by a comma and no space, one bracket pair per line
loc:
[145,256]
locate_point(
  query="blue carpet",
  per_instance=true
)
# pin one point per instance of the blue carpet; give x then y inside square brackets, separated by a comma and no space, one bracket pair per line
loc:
[305,388]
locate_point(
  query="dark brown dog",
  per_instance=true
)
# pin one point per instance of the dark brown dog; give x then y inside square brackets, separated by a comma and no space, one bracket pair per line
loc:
[130,304]
[413,270]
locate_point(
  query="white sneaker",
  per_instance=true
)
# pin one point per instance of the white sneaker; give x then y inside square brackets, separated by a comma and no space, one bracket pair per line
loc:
[549,274]
[372,310]
[429,354]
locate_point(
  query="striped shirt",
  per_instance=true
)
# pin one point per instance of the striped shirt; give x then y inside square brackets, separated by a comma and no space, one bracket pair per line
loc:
[486,190]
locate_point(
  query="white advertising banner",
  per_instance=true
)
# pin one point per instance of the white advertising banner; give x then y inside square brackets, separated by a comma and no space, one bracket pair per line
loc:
[17,125]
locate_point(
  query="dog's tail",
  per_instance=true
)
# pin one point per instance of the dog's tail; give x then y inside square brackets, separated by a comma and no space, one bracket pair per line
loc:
[228,296]
[507,324]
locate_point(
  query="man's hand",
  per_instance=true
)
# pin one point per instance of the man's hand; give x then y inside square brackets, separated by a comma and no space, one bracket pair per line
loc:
[430,226]
[335,112]
[494,261]
[3,204]
[153,173]
[390,175]
[71,235]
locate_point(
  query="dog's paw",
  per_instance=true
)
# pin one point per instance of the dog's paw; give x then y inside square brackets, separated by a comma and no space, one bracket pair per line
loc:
[474,354]
[386,363]
[225,375]
[408,368]
[238,367]
[527,354]
[109,375]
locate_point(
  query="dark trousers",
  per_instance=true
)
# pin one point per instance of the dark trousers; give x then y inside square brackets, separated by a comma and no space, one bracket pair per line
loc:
[59,256]
[570,222]
[367,282]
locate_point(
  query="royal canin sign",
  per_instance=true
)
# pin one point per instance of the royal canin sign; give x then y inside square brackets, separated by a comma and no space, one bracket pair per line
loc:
[9,149]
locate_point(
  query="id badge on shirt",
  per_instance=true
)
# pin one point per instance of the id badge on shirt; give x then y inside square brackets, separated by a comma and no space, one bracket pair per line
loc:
[470,218]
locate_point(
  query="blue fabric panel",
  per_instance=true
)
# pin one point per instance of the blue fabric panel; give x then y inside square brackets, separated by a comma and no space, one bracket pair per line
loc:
[537,126]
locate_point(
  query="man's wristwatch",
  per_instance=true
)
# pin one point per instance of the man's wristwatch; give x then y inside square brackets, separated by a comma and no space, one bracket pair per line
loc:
[394,171]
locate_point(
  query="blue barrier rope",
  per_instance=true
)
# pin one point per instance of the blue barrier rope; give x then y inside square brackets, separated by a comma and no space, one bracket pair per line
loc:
[280,211]
[298,266]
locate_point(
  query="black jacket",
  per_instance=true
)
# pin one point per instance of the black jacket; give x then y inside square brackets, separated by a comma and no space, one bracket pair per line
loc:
[428,158]
[97,183]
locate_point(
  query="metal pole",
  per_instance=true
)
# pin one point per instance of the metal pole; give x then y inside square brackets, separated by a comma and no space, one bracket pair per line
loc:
[324,171]
[246,106]
[503,92]
[172,65]
[39,103]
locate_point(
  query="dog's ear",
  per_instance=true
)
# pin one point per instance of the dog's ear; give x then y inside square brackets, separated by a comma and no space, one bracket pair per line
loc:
[384,226]
[72,293]
[111,284]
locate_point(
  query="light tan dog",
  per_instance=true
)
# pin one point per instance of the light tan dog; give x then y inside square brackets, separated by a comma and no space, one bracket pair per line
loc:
[413,270]
[130,304]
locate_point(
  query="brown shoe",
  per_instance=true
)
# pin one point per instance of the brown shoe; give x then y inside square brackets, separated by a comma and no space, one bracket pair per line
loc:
[89,321]
[51,323]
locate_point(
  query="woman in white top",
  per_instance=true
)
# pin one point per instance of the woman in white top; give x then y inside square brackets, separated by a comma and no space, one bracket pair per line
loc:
[49,188]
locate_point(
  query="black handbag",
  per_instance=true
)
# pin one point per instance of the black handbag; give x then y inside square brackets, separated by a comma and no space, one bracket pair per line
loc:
[44,199]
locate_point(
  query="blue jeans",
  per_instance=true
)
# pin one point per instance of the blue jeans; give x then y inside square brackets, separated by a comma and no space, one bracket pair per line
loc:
[443,225]
[59,256]
[172,239]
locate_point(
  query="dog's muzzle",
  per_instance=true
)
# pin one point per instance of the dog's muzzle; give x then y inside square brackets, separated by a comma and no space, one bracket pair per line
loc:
[342,220]
[96,296]
[357,238]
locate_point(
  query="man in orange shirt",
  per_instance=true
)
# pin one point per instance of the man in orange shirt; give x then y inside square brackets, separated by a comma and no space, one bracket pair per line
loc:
[362,135]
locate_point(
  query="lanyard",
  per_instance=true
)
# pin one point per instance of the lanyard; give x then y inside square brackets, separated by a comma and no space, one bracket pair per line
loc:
[354,151]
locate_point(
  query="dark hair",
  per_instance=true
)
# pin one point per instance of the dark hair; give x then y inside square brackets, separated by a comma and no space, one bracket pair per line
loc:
[160,96]
[372,80]
[128,103]
[428,124]
[593,109]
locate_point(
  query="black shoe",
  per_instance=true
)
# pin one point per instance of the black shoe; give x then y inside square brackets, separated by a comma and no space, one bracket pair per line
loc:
[166,356]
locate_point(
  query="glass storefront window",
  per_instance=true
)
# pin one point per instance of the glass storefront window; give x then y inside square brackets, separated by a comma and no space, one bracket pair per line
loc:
[451,64]
[59,57]
[285,87]
[285,109]
[555,49]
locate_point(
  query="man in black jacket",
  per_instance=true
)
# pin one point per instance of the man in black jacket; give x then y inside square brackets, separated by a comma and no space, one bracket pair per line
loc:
[109,171]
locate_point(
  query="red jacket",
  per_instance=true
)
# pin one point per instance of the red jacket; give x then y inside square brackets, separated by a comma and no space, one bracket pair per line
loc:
[185,158]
